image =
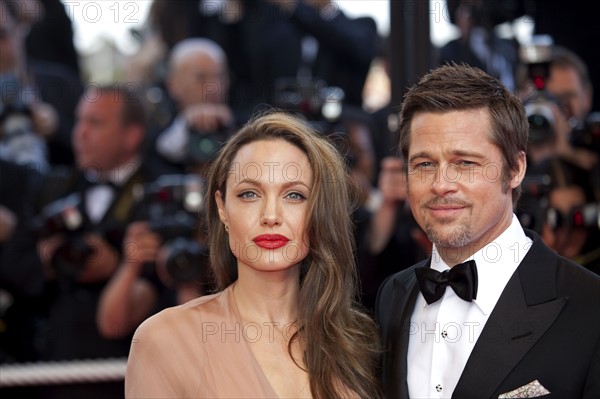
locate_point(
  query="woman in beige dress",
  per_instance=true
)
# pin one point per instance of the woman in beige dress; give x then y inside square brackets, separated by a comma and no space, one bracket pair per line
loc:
[285,322]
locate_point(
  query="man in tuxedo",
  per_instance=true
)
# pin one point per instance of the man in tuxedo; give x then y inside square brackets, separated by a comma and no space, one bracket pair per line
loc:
[98,204]
[518,320]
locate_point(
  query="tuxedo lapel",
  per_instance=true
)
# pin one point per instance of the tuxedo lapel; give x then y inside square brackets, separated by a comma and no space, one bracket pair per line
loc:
[400,309]
[525,310]
[123,201]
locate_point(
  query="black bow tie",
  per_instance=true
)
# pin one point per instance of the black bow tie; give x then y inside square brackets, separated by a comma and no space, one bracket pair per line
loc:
[462,278]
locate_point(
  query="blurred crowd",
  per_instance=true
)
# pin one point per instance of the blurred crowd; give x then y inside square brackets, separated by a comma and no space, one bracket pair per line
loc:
[101,184]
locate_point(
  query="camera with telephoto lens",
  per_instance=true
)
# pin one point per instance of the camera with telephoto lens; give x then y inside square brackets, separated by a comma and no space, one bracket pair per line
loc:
[585,216]
[587,133]
[172,205]
[534,202]
[539,107]
[65,217]
[15,114]
[321,104]
[202,146]
[323,108]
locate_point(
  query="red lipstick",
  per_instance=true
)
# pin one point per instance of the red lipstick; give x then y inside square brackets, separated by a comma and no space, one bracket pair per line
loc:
[270,241]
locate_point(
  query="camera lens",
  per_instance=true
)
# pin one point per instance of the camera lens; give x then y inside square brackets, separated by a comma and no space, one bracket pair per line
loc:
[541,121]
[187,260]
[71,257]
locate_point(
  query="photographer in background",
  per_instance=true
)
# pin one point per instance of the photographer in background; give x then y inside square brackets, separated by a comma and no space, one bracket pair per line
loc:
[563,173]
[198,82]
[37,99]
[165,235]
[166,259]
[21,277]
[81,228]
[572,215]
[570,83]
[324,43]
[23,121]
[558,96]
[479,45]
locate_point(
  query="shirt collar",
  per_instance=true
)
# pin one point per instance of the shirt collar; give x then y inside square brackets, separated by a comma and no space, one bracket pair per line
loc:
[496,263]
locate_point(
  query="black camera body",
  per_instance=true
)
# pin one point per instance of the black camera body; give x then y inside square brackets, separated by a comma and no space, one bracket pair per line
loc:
[538,107]
[534,202]
[15,119]
[540,117]
[534,210]
[586,216]
[172,205]
[587,134]
[15,113]
[202,146]
[65,217]
[321,104]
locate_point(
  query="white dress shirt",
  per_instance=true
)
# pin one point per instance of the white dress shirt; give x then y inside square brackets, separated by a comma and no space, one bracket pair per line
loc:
[172,143]
[443,334]
[99,197]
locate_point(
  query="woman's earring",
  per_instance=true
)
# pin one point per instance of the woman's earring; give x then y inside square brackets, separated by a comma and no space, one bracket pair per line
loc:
[226,228]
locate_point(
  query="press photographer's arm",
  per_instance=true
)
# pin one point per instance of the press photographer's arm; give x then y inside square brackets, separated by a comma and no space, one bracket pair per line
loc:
[84,256]
[127,299]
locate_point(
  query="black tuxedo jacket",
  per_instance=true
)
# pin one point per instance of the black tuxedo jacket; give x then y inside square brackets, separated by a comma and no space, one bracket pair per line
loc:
[72,331]
[545,327]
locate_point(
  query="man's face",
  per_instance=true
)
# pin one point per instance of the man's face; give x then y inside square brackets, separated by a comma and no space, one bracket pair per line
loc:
[99,136]
[198,79]
[565,84]
[455,182]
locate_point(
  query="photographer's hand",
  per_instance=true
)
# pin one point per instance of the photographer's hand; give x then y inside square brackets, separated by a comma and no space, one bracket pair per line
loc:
[141,244]
[392,180]
[579,156]
[127,299]
[208,117]
[8,222]
[102,264]
[45,118]
[46,249]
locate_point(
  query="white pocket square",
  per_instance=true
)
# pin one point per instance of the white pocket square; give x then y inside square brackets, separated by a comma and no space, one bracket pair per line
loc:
[532,390]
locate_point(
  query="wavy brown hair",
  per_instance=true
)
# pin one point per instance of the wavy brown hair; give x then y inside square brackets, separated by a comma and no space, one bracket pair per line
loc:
[341,341]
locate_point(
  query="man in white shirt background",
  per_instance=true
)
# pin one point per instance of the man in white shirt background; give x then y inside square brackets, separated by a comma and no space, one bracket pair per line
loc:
[84,215]
[198,83]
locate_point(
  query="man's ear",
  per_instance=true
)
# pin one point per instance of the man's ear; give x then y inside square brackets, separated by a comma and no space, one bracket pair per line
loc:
[134,138]
[173,86]
[519,174]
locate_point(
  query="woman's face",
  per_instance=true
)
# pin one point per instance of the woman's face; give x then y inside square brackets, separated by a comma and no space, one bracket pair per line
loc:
[265,205]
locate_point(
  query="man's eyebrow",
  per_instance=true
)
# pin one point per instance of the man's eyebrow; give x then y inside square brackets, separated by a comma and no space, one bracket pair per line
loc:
[421,154]
[460,153]
[470,154]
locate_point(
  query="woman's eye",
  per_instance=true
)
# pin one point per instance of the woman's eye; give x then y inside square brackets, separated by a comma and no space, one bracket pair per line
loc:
[247,195]
[295,196]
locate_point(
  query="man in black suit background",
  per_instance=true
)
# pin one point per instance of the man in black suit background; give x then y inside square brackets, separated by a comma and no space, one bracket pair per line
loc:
[518,320]
[93,205]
